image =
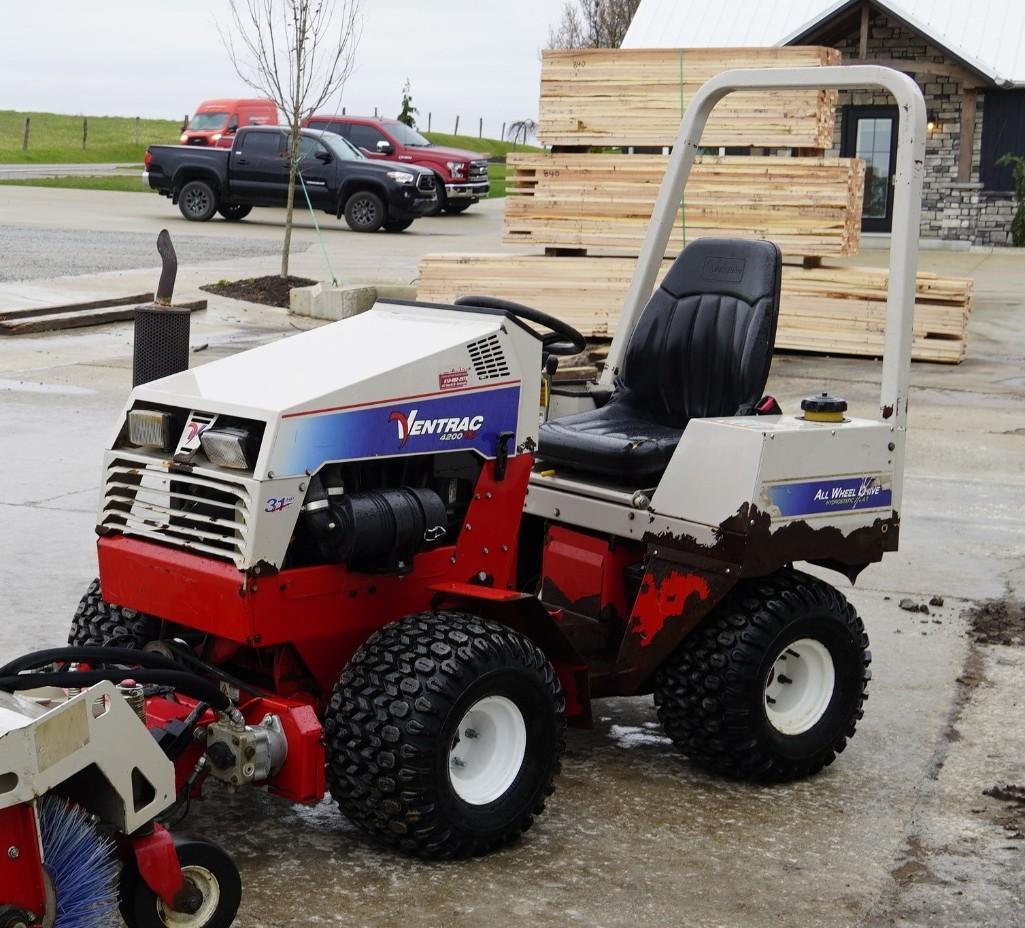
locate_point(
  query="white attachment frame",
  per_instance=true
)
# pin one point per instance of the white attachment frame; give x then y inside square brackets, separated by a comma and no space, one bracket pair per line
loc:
[907,207]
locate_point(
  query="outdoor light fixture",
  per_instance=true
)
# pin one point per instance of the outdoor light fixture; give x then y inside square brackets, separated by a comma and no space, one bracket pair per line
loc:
[933,121]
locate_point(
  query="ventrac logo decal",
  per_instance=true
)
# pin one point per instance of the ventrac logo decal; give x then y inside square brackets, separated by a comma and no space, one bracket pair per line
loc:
[447,428]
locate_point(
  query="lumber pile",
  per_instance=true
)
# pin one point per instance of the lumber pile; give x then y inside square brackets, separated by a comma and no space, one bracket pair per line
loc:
[835,310]
[613,97]
[603,202]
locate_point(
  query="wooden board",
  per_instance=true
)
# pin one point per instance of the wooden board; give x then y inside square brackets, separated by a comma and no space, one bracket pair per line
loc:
[37,320]
[613,97]
[603,202]
[832,310]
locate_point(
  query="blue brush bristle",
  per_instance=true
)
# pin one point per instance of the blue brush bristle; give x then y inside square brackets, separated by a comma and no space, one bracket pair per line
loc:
[82,864]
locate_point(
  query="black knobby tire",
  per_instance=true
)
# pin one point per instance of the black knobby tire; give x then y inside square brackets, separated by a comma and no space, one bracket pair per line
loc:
[440,199]
[208,867]
[98,623]
[365,212]
[234,212]
[712,691]
[197,201]
[397,225]
[396,715]
[458,206]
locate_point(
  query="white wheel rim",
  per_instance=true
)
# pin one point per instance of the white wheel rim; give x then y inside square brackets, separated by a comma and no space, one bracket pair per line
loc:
[207,884]
[799,686]
[487,751]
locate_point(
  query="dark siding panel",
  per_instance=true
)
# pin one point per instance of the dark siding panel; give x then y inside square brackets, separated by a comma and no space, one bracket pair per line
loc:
[1003,130]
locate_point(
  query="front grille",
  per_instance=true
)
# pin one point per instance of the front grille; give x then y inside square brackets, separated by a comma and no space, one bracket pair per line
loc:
[425,182]
[201,514]
[196,141]
[488,358]
[478,170]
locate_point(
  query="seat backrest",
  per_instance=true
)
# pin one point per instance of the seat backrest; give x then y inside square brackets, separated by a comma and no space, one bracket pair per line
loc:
[703,344]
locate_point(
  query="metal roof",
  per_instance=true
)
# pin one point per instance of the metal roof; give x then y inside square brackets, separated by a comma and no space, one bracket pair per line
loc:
[987,35]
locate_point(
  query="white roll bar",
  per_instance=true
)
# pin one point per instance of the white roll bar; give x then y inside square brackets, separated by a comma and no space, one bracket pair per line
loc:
[907,206]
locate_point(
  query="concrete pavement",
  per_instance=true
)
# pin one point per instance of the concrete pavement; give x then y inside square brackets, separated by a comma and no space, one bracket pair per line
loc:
[897,832]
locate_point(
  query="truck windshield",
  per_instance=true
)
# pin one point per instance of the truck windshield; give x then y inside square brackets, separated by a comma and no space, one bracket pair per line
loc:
[205,121]
[406,136]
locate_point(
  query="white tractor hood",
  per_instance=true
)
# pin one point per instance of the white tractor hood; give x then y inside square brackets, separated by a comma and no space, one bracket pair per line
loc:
[392,350]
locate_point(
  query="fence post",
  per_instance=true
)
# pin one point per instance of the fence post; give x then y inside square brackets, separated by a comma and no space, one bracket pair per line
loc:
[502,136]
[136,130]
[85,131]
[456,130]
[185,122]
[375,112]
[480,128]
[343,110]
[428,120]
[24,139]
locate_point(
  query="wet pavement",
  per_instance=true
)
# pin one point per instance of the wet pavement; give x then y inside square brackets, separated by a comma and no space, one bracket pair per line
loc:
[897,832]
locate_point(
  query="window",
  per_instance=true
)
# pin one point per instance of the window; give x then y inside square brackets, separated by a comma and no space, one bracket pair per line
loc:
[327,125]
[365,137]
[262,145]
[308,147]
[1003,131]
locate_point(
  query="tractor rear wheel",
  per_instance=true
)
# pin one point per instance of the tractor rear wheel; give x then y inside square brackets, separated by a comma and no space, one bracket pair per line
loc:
[771,685]
[102,624]
[444,735]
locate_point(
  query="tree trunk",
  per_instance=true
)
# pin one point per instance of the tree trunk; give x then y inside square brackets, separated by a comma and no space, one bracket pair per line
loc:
[293,159]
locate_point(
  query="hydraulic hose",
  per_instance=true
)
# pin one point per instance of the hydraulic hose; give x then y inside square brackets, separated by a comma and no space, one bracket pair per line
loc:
[180,680]
[88,655]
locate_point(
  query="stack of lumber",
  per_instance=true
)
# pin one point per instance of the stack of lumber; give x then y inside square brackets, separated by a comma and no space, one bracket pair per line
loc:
[835,310]
[612,97]
[603,202]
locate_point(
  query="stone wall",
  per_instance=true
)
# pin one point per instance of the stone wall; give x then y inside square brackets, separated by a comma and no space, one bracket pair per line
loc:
[950,210]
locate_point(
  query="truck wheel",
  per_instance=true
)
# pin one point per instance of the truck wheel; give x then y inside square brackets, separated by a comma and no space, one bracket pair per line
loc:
[197,201]
[771,685]
[444,735]
[441,200]
[208,868]
[364,212]
[101,624]
[458,206]
[397,225]
[234,212]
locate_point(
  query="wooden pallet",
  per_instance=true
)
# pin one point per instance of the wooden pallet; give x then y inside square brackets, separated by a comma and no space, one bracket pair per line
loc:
[832,310]
[617,97]
[38,319]
[603,202]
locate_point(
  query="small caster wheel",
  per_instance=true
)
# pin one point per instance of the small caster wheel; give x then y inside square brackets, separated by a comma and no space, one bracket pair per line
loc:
[208,869]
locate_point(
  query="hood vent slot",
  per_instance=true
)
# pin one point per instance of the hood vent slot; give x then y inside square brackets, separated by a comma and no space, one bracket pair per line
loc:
[488,358]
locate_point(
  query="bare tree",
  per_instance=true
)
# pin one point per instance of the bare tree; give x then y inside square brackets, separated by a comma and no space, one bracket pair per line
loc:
[592,24]
[522,127]
[298,53]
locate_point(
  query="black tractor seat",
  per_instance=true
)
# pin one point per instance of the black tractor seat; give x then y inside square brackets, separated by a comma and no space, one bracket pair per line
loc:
[702,348]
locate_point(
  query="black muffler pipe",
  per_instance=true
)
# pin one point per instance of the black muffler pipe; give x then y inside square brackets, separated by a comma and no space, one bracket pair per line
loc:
[161,330]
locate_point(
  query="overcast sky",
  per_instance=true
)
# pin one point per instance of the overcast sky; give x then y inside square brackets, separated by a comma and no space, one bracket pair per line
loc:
[162,57]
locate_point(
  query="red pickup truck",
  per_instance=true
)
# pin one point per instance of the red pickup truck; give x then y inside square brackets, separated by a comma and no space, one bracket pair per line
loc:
[462,176]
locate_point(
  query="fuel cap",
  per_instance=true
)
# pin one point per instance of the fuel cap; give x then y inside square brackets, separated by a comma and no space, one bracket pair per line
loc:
[824,408]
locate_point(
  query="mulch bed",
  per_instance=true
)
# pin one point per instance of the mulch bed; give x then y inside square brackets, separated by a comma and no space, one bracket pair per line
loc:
[998,621]
[271,291]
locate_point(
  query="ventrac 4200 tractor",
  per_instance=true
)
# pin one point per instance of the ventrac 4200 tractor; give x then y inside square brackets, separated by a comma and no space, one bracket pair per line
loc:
[370,528]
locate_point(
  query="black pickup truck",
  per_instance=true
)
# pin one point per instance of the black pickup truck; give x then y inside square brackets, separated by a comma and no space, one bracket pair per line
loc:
[338,178]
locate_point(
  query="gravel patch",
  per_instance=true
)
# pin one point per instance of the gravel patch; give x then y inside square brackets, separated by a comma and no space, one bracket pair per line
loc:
[34,254]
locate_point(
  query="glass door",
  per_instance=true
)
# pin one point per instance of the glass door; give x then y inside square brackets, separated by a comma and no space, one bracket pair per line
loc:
[870,133]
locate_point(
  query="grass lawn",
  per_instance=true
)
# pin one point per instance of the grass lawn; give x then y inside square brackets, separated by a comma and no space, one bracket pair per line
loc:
[123,183]
[57,139]
[497,173]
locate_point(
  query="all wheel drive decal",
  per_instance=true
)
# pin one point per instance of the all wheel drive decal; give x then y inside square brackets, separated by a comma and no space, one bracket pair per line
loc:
[838,494]
[445,423]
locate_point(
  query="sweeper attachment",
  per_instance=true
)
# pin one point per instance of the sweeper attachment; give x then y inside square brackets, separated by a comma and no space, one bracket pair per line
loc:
[369,523]
[83,782]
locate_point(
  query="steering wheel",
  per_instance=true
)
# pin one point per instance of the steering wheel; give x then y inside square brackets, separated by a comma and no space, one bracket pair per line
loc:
[562,339]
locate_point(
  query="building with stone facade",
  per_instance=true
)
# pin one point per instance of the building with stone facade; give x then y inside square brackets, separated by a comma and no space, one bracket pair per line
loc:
[968,56]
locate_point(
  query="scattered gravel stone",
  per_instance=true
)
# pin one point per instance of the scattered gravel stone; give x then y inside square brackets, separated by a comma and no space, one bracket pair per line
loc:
[908,605]
[936,601]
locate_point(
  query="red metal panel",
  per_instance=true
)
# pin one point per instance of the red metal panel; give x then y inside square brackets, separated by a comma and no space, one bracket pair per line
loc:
[159,865]
[21,874]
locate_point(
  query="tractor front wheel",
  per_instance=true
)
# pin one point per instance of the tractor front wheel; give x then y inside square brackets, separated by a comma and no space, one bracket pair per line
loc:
[444,735]
[771,685]
[101,624]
